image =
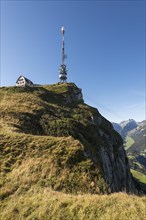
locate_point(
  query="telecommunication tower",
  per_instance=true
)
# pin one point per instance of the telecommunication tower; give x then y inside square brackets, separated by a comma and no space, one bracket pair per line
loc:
[62,69]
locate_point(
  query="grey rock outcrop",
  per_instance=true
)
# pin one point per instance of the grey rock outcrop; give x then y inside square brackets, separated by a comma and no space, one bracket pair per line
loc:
[74,94]
[116,168]
[113,158]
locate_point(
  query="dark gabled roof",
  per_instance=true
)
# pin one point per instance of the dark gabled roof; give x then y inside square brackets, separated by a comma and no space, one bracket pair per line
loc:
[27,80]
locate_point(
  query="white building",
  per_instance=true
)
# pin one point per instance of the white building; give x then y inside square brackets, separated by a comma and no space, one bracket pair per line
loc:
[23,81]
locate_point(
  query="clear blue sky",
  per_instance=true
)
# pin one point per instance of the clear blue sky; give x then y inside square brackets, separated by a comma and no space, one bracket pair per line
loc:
[104,41]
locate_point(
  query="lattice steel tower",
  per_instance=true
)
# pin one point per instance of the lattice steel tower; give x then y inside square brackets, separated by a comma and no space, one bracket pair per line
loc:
[62,69]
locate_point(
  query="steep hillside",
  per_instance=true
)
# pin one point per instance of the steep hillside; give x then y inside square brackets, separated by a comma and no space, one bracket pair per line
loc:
[52,143]
[86,156]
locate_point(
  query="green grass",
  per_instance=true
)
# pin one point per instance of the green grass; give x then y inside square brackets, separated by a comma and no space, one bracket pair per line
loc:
[139,165]
[129,142]
[139,176]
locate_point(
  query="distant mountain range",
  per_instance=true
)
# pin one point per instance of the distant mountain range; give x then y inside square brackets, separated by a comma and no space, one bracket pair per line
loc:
[134,136]
[134,130]
[125,126]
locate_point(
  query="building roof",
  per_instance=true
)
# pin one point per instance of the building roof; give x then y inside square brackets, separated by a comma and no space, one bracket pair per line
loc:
[27,80]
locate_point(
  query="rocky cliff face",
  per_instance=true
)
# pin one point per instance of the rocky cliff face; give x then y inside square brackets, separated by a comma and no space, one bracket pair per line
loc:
[74,94]
[81,150]
[116,167]
[113,158]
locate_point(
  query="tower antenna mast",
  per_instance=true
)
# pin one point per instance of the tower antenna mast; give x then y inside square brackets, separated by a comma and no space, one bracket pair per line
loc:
[62,69]
[63,32]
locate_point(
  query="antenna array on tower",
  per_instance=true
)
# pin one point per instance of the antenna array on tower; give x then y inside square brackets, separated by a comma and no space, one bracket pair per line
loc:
[62,69]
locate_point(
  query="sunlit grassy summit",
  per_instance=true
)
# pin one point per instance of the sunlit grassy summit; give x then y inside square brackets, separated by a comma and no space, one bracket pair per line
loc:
[56,152]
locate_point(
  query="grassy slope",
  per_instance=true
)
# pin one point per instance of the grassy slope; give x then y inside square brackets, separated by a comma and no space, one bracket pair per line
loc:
[33,163]
[56,162]
[30,120]
[139,176]
[49,205]
[26,191]
[129,142]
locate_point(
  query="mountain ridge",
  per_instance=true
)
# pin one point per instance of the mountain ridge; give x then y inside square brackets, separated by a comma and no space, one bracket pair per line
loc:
[59,111]
[125,126]
[58,156]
